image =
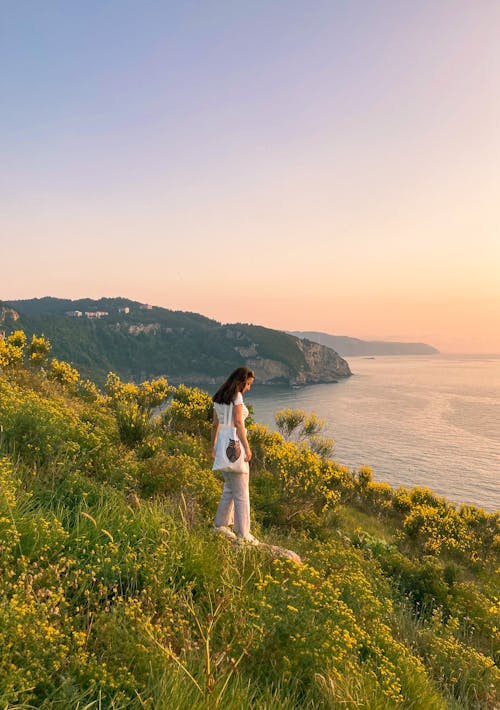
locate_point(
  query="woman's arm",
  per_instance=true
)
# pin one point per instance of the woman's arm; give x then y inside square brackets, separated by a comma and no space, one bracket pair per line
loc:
[240,429]
[215,431]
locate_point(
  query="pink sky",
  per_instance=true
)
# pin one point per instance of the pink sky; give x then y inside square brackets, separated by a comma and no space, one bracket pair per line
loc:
[329,166]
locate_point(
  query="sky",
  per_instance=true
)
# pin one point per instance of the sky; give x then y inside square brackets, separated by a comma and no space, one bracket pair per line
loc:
[327,165]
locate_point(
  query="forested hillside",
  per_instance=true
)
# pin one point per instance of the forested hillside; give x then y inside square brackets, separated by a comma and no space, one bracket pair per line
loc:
[115,592]
[140,341]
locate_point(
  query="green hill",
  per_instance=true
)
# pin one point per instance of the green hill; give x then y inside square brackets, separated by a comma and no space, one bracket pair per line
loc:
[351,347]
[116,593]
[139,342]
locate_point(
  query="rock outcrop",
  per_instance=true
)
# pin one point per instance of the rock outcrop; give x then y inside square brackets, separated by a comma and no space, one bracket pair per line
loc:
[323,362]
[7,313]
[322,365]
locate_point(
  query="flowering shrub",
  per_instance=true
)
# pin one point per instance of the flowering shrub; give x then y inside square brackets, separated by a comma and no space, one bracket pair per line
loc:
[114,592]
[437,529]
[133,405]
[401,500]
[378,495]
[305,486]
[297,425]
[9,534]
[12,349]
[44,433]
[38,350]
[180,473]
[466,674]
[443,528]
[189,411]
[64,373]
[365,476]
[306,628]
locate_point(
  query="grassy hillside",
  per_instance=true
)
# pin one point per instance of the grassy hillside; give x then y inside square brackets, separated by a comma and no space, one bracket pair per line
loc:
[116,593]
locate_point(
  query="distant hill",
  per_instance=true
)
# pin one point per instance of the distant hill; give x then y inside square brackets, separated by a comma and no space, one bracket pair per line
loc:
[346,346]
[139,341]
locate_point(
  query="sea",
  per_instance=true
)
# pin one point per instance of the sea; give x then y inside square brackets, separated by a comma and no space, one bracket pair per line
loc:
[416,421]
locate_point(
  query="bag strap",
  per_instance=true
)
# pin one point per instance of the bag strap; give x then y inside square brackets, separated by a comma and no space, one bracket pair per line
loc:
[228,415]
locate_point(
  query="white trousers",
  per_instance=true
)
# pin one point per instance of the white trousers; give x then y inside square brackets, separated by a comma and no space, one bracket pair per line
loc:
[234,503]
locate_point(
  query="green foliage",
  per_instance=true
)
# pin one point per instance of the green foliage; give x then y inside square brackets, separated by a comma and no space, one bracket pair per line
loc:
[44,433]
[365,476]
[133,406]
[38,350]
[63,373]
[180,474]
[190,411]
[297,425]
[273,344]
[146,343]
[305,486]
[115,593]
[12,349]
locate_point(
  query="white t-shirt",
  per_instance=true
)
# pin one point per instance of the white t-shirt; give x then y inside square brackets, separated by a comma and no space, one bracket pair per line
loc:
[222,409]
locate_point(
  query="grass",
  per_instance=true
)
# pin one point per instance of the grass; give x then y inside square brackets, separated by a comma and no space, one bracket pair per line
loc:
[116,593]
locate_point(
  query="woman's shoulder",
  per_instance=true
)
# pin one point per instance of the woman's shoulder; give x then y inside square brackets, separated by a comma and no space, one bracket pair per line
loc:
[238,399]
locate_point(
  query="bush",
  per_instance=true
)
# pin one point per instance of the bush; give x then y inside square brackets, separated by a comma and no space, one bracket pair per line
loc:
[133,406]
[190,411]
[12,349]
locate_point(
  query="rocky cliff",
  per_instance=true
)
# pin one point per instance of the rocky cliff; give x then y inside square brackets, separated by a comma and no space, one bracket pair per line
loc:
[321,365]
[278,358]
[323,362]
[7,314]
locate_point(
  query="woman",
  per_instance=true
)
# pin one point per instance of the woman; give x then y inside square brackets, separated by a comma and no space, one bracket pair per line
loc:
[235,500]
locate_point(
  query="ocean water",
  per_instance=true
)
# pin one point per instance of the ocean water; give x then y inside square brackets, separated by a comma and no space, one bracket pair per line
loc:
[416,421]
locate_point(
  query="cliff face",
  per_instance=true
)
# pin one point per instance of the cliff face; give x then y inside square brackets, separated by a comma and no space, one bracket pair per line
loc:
[325,365]
[7,314]
[322,365]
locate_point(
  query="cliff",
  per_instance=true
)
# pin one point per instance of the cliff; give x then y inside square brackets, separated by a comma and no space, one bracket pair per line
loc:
[8,315]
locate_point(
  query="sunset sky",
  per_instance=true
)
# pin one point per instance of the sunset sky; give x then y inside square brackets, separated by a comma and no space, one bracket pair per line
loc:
[305,165]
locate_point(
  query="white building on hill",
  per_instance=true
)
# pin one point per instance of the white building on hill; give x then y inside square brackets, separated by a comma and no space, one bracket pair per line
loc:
[96,314]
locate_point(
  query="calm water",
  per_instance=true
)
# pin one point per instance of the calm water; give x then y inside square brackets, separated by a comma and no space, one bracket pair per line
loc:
[421,421]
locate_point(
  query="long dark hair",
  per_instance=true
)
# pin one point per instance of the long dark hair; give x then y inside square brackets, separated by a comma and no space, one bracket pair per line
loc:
[234,383]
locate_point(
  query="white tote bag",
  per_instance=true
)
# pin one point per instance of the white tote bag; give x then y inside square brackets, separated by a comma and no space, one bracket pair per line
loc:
[229,453]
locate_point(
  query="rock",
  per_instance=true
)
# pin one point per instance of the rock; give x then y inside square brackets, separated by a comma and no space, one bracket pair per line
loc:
[325,365]
[273,550]
[277,551]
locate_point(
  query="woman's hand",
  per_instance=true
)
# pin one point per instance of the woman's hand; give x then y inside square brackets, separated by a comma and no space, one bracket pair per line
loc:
[248,455]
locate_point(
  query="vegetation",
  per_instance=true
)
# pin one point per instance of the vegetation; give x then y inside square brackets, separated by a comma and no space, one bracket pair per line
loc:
[138,342]
[116,593]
